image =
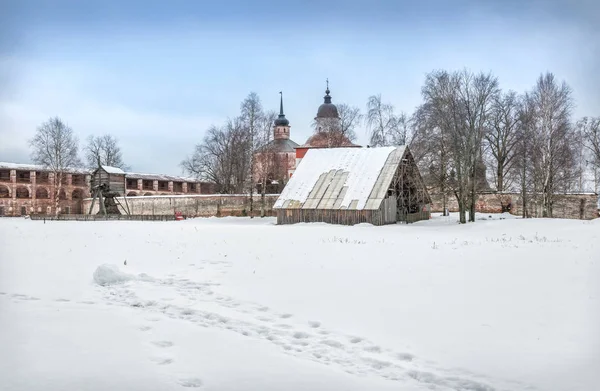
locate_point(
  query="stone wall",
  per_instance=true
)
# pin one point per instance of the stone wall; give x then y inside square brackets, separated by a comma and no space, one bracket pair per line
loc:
[21,197]
[190,205]
[566,206]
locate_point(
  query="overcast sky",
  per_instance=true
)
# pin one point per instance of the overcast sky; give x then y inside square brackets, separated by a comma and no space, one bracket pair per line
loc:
[156,74]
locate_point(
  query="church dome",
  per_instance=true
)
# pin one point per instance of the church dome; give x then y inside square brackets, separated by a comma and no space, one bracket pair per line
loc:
[327,109]
[281,121]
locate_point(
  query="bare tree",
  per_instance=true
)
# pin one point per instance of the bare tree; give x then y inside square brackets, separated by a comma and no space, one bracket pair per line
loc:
[476,94]
[459,103]
[226,154]
[590,131]
[381,120]
[429,144]
[400,133]
[350,118]
[217,158]
[523,151]
[251,115]
[269,170]
[55,147]
[104,150]
[338,132]
[552,103]
[501,138]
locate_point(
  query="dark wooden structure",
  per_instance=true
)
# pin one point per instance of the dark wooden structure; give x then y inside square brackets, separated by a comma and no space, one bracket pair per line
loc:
[350,189]
[107,183]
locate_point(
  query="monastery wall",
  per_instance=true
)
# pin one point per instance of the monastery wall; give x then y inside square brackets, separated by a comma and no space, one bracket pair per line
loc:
[566,206]
[219,205]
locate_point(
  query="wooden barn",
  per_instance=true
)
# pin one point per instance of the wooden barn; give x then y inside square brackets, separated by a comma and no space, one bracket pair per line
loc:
[113,177]
[354,185]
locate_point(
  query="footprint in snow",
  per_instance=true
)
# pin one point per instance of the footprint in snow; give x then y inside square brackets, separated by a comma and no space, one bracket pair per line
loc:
[355,340]
[192,382]
[21,296]
[162,360]
[377,364]
[153,319]
[62,300]
[405,356]
[314,324]
[285,316]
[300,335]
[332,343]
[163,344]
[145,328]
[373,349]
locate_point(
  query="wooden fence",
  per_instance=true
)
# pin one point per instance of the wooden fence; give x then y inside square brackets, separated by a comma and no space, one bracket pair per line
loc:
[81,217]
[414,217]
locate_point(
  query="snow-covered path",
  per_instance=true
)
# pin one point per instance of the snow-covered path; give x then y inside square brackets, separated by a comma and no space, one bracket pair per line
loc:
[229,304]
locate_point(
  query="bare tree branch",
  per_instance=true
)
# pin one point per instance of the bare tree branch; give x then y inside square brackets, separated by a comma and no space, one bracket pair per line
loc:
[55,147]
[104,150]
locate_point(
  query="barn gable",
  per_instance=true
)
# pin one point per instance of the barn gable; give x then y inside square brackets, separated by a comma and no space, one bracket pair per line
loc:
[338,178]
[351,185]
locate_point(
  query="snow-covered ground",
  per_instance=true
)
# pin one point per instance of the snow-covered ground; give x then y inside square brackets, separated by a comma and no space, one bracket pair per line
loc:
[240,304]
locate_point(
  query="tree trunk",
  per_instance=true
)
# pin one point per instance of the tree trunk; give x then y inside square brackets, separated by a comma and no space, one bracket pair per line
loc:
[462,212]
[473,196]
[57,188]
[251,197]
[524,194]
[262,198]
[500,173]
[443,188]
[444,202]
[462,205]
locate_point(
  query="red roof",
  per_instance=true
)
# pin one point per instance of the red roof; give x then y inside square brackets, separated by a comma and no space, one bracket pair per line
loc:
[327,140]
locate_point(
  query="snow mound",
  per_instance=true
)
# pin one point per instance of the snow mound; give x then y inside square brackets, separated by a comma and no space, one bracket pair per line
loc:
[110,275]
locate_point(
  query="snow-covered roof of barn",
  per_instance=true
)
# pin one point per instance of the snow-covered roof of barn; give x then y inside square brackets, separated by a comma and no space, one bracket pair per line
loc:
[341,178]
[113,170]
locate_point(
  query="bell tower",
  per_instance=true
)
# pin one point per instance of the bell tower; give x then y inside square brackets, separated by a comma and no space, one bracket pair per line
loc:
[281,128]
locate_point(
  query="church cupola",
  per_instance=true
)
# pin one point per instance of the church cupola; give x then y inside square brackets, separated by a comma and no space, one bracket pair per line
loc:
[282,125]
[327,109]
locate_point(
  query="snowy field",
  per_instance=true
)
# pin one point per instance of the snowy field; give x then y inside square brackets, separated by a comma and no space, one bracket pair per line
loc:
[240,304]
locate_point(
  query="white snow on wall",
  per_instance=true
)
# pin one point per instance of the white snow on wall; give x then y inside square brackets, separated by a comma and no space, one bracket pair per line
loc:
[362,164]
[38,167]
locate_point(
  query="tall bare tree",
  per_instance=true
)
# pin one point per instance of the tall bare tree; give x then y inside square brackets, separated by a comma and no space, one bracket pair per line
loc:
[554,155]
[104,150]
[350,118]
[337,132]
[226,154]
[459,103]
[590,131]
[524,151]
[217,158]
[400,134]
[55,147]
[251,115]
[476,94]
[381,120]
[501,137]
[429,144]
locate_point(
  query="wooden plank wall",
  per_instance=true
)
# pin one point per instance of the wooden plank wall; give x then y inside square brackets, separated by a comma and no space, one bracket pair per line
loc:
[339,216]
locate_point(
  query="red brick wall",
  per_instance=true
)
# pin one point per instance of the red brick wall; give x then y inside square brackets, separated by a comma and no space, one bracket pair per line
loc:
[568,206]
[33,204]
